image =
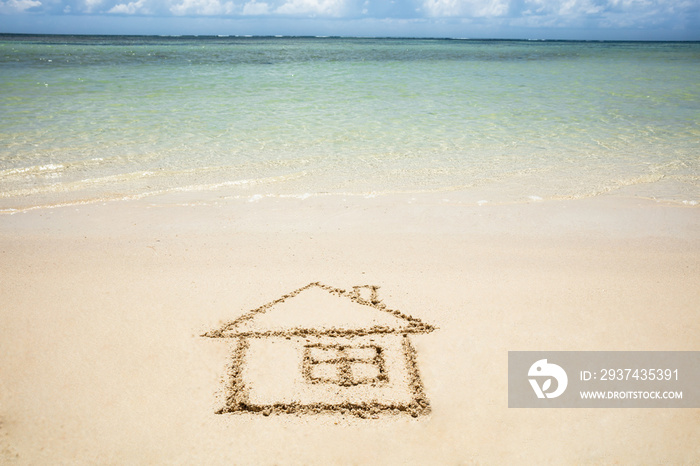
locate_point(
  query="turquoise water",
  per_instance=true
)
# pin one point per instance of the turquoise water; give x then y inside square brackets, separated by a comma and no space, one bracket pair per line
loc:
[90,119]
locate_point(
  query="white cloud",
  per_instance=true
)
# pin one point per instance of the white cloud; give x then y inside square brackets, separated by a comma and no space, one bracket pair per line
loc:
[442,7]
[629,3]
[333,8]
[91,4]
[202,7]
[256,8]
[605,14]
[130,8]
[17,6]
[567,8]
[585,13]
[466,8]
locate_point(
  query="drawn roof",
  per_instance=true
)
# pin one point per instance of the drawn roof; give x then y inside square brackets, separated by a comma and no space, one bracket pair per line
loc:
[318,309]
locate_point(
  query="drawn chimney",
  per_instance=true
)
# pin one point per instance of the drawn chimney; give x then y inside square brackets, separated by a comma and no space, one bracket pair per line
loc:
[367,294]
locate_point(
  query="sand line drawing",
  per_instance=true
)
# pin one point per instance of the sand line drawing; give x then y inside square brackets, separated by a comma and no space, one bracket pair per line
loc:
[320,349]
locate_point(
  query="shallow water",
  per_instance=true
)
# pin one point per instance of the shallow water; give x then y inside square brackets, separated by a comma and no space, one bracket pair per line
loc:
[86,119]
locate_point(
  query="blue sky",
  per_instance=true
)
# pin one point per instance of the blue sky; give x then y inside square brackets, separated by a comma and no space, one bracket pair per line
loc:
[523,19]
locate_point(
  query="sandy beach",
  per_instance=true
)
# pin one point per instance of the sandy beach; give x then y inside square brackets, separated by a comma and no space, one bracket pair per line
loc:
[103,308]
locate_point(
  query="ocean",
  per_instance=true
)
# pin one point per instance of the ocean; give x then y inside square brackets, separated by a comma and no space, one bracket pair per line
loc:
[87,119]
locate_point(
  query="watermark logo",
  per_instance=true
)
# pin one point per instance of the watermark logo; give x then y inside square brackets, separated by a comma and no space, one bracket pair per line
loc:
[603,379]
[547,371]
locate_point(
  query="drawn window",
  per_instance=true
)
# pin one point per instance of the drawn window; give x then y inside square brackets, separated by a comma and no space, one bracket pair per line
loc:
[344,365]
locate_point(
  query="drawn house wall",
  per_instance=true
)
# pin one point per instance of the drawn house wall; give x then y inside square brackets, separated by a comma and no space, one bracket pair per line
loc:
[320,349]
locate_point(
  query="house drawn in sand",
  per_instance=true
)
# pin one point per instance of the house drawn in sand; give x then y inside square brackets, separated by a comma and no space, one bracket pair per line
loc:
[323,349]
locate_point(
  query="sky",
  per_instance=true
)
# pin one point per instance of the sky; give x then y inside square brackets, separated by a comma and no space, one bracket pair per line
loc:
[508,19]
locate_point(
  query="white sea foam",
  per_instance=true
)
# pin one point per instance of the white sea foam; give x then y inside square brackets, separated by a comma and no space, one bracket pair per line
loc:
[35,169]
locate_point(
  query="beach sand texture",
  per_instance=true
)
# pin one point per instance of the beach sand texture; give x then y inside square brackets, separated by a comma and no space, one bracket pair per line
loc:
[103,309]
